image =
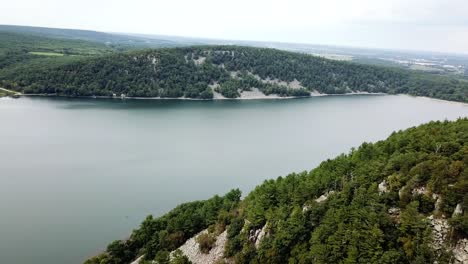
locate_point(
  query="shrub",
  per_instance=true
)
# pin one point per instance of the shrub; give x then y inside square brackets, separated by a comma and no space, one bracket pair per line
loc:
[206,242]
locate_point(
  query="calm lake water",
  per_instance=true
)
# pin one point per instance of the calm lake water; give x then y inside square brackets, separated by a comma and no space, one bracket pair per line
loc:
[76,174]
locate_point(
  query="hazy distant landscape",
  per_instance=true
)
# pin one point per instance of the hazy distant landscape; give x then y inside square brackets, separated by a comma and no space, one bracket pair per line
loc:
[439,63]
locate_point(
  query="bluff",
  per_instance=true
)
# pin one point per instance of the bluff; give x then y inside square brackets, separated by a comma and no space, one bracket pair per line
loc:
[400,200]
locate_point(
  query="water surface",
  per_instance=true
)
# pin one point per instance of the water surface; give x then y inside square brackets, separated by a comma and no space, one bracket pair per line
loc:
[76,174]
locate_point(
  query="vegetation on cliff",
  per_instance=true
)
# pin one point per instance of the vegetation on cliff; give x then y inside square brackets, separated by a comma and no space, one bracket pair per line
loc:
[376,204]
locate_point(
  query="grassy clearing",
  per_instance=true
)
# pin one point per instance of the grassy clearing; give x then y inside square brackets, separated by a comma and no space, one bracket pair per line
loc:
[45,53]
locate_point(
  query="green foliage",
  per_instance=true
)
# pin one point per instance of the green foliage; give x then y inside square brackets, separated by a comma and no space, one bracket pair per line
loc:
[353,225]
[179,258]
[415,235]
[193,71]
[206,242]
[460,224]
[156,237]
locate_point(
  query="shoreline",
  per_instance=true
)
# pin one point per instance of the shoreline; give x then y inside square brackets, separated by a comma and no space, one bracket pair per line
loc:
[9,93]
[263,97]
[260,97]
[436,99]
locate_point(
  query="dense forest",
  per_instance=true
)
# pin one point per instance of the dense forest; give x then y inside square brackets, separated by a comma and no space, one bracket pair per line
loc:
[201,71]
[400,200]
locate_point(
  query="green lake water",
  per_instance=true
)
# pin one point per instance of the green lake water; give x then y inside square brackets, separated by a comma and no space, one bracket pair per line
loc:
[76,174]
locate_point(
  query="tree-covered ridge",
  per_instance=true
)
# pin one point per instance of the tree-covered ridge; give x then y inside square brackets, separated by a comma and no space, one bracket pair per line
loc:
[376,204]
[424,171]
[200,71]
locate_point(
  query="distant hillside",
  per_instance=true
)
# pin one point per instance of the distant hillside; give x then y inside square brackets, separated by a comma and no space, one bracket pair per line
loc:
[400,200]
[455,65]
[32,51]
[207,72]
[120,41]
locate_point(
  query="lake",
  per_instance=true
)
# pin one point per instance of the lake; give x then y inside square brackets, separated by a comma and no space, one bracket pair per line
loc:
[79,173]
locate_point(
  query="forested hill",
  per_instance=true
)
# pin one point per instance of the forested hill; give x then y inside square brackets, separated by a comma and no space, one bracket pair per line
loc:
[401,200]
[229,71]
[114,40]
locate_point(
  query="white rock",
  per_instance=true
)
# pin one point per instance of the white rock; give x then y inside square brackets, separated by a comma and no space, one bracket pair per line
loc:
[136,261]
[324,197]
[383,187]
[440,230]
[420,190]
[460,252]
[458,210]
[394,211]
[191,249]
[260,236]
[438,203]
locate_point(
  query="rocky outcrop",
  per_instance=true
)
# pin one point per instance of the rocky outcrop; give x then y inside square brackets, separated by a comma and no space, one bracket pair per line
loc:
[420,190]
[256,235]
[383,187]
[199,61]
[137,261]
[306,208]
[458,210]
[440,230]
[438,202]
[460,252]
[324,197]
[191,249]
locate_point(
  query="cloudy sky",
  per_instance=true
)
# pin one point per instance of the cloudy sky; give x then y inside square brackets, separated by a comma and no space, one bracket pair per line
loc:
[430,25]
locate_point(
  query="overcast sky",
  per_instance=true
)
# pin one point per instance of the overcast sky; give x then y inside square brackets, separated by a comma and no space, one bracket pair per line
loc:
[437,25]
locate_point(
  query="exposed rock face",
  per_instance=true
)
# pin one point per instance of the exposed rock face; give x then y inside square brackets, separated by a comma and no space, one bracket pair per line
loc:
[191,249]
[260,236]
[320,199]
[306,208]
[383,187]
[438,202]
[216,95]
[256,236]
[460,252]
[324,197]
[458,210]
[136,261]
[420,190]
[199,61]
[440,229]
